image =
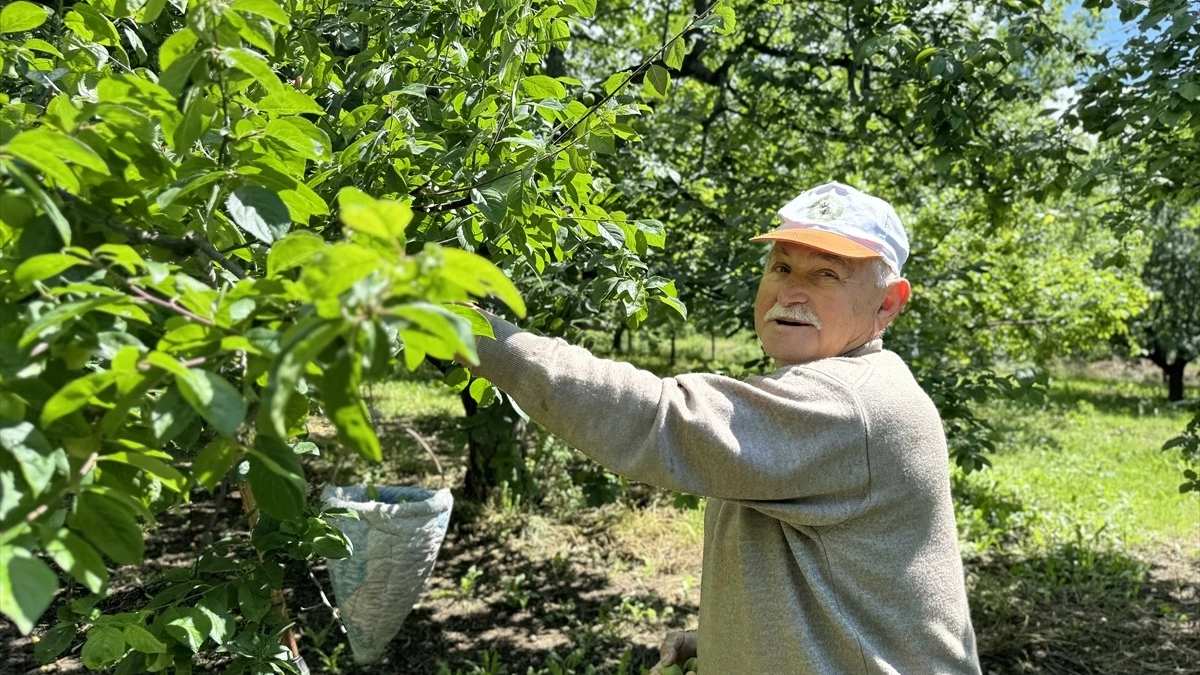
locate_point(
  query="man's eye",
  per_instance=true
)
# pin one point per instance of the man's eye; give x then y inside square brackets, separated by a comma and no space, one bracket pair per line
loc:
[782,268]
[828,274]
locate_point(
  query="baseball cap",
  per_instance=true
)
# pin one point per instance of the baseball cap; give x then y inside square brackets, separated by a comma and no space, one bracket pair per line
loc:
[842,220]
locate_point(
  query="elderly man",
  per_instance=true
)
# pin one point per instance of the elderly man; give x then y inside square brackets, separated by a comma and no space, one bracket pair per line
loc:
[829,536]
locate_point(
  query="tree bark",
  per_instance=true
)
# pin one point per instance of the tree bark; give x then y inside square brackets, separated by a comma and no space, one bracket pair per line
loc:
[496,449]
[616,343]
[1173,374]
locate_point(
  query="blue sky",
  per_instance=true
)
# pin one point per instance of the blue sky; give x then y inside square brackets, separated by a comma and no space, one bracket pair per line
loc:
[1113,34]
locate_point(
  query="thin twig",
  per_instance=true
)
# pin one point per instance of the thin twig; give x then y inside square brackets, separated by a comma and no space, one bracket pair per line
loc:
[325,599]
[424,444]
[169,304]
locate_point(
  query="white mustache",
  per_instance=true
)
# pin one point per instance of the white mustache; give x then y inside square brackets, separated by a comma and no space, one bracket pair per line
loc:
[798,313]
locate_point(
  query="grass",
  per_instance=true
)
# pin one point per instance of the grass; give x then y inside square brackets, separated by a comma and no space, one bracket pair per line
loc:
[420,396]
[1088,463]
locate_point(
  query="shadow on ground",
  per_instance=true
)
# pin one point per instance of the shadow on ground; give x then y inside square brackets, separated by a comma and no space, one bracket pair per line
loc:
[1078,610]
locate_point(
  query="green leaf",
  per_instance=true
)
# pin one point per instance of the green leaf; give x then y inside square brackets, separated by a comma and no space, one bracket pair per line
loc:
[1190,90]
[64,147]
[43,200]
[676,53]
[217,401]
[277,479]
[728,18]
[675,304]
[288,101]
[36,459]
[584,8]
[926,54]
[214,461]
[301,137]
[214,607]
[151,10]
[54,642]
[458,378]
[254,65]
[300,344]
[92,26]
[187,625]
[174,78]
[345,407]
[21,16]
[27,586]
[292,251]
[109,526]
[254,601]
[170,415]
[480,277]
[75,394]
[44,266]
[179,44]
[479,323]
[440,323]
[65,312]
[104,647]
[77,558]
[657,82]
[168,475]
[259,212]
[482,392]
[382,218]
[137,637]
[264,8]
[543,87]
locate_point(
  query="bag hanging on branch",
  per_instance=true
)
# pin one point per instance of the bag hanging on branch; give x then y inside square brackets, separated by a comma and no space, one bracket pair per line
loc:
[396,540]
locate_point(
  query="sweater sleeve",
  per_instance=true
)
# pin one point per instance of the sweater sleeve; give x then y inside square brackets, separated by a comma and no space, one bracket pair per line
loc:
[801,436]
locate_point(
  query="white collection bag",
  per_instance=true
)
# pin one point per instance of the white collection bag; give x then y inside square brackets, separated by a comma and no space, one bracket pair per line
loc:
[396,540]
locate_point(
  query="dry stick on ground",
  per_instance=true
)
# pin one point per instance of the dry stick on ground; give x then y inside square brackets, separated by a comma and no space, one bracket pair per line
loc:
[424,444]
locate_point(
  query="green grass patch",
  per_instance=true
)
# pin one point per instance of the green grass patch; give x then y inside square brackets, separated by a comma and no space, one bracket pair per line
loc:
[1087,464]
[414,398]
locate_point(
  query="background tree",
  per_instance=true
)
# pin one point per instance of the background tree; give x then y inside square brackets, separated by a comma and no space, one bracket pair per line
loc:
[1169,329]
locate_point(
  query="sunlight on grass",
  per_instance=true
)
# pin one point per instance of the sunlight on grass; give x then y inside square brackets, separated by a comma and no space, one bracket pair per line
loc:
[1090,464]
[415,398]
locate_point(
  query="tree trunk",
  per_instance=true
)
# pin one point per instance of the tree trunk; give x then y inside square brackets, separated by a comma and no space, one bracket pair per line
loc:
[496,448]
[616,345]
[672,348]
[1173,374]
[712,346]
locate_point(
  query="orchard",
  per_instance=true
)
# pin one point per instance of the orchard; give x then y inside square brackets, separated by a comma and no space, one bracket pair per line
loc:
[224,224]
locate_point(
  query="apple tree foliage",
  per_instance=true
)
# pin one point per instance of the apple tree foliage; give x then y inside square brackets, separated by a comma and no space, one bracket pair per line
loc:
[219,218]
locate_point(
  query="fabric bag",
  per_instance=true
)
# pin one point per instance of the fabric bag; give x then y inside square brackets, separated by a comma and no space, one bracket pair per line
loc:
[396,540]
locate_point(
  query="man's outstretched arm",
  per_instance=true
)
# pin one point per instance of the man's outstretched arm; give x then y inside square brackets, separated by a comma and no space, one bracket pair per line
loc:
[698,433]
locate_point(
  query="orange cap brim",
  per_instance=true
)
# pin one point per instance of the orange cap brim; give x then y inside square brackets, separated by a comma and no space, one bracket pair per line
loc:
[820,240]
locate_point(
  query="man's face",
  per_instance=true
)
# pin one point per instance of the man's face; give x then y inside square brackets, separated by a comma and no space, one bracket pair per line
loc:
[812,305]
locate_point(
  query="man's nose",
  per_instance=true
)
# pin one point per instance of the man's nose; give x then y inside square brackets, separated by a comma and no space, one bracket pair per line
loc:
[792,294]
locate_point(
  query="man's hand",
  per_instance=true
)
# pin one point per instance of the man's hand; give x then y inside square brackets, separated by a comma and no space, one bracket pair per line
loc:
[674,652]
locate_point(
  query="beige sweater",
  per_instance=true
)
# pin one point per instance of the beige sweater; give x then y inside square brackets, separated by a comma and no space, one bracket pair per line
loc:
[829,536]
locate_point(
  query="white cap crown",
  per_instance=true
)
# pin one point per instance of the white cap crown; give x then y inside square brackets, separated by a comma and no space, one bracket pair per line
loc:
[840,209]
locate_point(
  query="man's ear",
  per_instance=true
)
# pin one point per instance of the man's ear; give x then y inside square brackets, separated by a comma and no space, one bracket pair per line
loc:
[894,299]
